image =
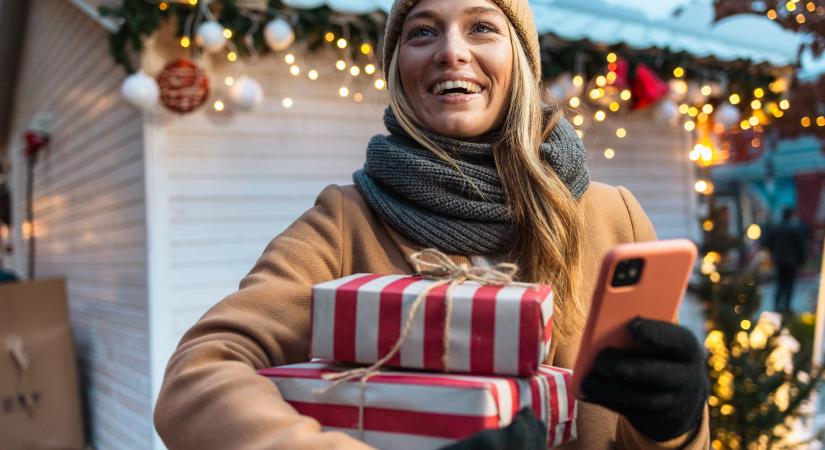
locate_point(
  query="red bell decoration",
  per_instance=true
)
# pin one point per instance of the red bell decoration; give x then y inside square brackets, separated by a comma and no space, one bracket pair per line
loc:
[35,141]
[647,88]
[621,68]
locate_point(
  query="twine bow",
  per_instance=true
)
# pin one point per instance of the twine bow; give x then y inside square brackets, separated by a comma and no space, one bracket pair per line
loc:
[431,264]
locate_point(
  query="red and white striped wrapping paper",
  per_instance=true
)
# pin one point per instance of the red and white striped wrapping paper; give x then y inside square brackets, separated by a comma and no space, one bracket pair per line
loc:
[493,330]
[420,411]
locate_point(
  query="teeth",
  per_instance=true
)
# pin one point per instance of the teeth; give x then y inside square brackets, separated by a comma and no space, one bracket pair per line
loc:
[471,87]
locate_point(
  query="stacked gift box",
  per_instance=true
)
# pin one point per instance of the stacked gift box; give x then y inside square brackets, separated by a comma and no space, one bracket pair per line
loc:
[470,358]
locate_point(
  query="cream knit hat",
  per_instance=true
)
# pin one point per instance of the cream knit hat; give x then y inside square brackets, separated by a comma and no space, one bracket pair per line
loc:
[518,11]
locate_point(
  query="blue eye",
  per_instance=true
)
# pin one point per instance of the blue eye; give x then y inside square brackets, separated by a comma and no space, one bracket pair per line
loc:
[484,26]
[418,30]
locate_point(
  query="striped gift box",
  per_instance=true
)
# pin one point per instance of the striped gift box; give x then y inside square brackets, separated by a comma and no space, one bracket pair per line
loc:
[493,330]
[413,410]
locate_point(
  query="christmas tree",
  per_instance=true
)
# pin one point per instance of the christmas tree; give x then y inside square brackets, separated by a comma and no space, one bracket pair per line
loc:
[760,369]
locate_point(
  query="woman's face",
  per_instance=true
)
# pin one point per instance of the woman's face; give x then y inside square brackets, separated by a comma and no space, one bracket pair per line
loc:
[456,61]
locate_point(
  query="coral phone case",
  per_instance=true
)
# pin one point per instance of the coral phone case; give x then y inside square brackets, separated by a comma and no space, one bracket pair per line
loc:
[656,295]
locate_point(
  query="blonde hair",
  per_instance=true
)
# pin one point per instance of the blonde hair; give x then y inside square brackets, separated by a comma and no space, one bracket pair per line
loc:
[547,222]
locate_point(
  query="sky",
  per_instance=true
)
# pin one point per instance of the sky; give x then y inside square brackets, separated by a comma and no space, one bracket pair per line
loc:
[655,8]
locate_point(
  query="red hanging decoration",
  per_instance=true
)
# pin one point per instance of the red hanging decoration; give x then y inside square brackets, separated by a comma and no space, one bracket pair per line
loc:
[183,86]
[647,88]
[620,67]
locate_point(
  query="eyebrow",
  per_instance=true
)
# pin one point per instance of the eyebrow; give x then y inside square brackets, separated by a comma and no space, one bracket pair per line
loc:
[469,11]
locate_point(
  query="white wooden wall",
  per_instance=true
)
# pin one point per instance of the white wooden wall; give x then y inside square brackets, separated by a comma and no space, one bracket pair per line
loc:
[652,161]
[89,209]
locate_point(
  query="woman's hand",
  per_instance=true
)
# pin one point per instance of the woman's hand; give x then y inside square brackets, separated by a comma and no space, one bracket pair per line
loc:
[525,432]
[660,387]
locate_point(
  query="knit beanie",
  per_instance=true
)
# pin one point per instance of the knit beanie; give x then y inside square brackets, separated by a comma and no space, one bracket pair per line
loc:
[518,11]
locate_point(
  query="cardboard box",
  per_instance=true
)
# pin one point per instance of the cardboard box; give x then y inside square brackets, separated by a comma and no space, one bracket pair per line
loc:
[39,394]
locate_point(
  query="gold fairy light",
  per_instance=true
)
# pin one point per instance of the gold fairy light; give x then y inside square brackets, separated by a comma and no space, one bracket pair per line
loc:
[575,102]
[289,58]
[343,92]
[313,75]
[369,69]
[341,43]
[340,65]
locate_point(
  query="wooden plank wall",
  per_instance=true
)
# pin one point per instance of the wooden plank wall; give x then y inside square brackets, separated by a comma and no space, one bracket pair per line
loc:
[89,209]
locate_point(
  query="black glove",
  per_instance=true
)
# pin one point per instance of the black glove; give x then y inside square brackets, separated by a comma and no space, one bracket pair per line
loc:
[525,432]
[660,387]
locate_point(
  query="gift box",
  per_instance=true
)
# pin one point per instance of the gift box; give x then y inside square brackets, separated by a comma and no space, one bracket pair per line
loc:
[497,330]
[412,410]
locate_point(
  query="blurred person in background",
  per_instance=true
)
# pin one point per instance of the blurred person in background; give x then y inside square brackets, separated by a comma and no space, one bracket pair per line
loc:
[786,244]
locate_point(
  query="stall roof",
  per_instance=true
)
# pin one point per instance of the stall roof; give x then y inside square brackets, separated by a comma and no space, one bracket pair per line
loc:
[743,37]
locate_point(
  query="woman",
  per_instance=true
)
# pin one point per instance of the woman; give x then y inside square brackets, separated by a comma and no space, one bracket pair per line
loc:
[461,172]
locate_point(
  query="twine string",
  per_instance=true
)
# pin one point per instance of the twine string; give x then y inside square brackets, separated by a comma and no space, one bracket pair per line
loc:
[434,265]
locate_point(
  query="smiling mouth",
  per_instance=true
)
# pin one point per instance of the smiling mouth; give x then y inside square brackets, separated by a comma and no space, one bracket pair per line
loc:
[456,88]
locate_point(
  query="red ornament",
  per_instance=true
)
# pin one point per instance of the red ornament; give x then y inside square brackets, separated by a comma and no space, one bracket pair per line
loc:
[620,67]
[647,88]
[35,140]
[183,86]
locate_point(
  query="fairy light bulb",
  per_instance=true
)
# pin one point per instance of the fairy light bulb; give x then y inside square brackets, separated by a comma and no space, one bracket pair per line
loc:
[366,49]
[611,57]
[626,95]
[227,33]
[690,125]
[354,71]
[369,69]
[578,120]
[621,133]
[341,65]
[289,58]
[229,81]
[295,70]
[185,42]
[341,43]
[329,36]
[678,72]
[380,84]
[578,81]
[609,153]
[575,102]
[358,97]
[343,92]
[218,105]
[313,75]
[600,116]
[287,103]
[232,56]
[734,99]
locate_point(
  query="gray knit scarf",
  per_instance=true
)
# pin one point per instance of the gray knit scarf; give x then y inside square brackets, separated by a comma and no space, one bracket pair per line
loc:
[429,202]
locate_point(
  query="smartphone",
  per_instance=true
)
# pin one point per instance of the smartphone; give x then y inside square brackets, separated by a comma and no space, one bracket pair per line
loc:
[645,279]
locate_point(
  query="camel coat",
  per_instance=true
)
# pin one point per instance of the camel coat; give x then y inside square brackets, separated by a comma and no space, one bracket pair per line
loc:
[211,396]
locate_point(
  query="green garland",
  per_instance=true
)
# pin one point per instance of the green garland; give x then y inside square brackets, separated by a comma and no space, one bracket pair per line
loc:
[139,19]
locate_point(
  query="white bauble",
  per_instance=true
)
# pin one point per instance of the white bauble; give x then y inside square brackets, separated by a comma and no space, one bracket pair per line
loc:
[246,93]
[279,35]
[694,94]
[667,111]
[678,90]
[210,36]
[141,90]
[728,115]
[563,87]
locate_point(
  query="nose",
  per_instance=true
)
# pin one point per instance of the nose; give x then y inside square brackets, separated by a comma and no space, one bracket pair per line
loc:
[453,51]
